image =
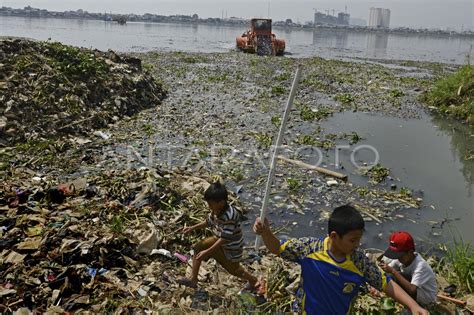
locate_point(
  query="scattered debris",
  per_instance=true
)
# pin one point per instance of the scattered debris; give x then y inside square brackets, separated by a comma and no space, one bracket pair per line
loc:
[90,230]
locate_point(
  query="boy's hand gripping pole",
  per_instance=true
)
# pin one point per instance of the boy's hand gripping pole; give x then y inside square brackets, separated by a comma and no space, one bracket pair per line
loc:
[284,121]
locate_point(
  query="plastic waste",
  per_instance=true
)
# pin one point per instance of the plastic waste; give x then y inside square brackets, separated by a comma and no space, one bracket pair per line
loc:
[180,257]
[162,251]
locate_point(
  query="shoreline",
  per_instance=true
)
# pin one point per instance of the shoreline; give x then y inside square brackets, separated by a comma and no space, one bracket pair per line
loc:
[190,20]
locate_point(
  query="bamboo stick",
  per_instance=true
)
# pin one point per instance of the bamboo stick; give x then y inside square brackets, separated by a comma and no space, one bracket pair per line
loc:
[284,121]
[314,168]
[450,299]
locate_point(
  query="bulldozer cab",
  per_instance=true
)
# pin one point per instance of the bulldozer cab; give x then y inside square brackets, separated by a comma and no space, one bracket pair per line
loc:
[262,26]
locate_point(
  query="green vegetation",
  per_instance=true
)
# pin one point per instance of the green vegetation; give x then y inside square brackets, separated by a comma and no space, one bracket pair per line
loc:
[194,59]
[282,76]
[148,67]
[217,78]
[293,184]
[405,192]
[276,121]
[116,224]
[199,143]
[203,154]
[457,266]
[396,93]
[376,173]
[278,90]
[148,129]
[308,114]
[354,137]
[344,98]
[306,140]
[264,139]
[454,95]
[317,84]
[237,174]
[75,62]
[326,144]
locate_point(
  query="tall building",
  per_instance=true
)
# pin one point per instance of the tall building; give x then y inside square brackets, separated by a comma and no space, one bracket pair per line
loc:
[326,19]
[343,18]
[379,18]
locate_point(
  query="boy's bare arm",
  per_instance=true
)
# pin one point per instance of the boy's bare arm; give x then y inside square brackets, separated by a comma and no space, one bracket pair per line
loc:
[398,294]
[404,283]
[269,239]
[198,226]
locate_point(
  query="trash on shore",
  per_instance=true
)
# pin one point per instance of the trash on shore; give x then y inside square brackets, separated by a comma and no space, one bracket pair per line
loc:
[49,90]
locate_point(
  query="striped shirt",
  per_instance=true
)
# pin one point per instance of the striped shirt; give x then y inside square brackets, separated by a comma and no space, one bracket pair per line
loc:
[227,226]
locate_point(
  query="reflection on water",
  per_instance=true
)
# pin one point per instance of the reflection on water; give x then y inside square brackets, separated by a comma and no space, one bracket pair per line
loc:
[377,45]
[462,145]
[427,156]
[336,39]
[208,38]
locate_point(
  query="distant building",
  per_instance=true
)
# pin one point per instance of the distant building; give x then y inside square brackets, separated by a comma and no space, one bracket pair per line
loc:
[357,22]
[343,18]
[379,18]
[326,19]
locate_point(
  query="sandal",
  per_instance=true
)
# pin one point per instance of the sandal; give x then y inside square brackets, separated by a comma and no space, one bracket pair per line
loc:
[186,282]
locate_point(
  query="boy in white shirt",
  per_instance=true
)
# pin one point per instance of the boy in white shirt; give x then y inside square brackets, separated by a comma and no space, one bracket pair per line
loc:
[410,270]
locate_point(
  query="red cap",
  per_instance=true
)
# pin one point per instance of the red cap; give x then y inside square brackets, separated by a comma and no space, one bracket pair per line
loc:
[400,243]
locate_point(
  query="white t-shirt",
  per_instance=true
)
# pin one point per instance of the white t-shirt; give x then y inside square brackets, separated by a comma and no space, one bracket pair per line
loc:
[420,274]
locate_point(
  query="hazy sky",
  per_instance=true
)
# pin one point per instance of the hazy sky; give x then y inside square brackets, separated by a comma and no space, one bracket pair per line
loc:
[413,13]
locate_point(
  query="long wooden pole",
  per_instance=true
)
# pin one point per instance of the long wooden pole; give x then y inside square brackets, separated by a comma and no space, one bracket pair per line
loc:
[271,173]
[450,299]
[314,168]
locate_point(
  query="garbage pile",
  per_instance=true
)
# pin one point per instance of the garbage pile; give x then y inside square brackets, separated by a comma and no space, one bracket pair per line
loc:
[49,90]
[111,242]
[92,243]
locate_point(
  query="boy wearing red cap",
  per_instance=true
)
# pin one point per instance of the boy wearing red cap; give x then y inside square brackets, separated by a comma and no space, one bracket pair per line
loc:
[410,270]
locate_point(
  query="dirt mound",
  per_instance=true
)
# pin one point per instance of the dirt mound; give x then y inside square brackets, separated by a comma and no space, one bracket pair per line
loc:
[49,90]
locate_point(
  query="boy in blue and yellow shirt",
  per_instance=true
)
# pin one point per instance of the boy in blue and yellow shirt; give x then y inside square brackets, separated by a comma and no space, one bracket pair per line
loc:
[333,268]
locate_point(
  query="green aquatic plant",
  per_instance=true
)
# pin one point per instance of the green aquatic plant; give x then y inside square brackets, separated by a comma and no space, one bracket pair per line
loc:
[276,121]
[306,113]
[306,140]
[237,174]
[264,139]
[148,129]
[344,98]
[376,173]
[458,265]
[454,94]
[282,76]
[396,93]
[293,184]
[354,137]
[277,90]
[405,192]
[217,78]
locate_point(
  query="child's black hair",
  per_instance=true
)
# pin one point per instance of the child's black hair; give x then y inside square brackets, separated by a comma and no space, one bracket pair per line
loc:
[216,192]
[345,219]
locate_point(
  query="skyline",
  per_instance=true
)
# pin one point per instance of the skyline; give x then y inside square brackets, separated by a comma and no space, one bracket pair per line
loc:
[457,14]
